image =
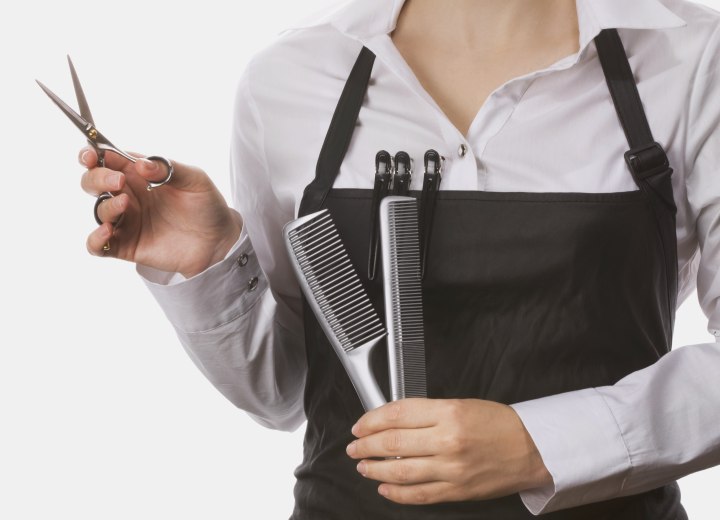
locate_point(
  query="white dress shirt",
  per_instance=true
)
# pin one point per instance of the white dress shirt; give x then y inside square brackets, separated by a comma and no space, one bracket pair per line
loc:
[553,129]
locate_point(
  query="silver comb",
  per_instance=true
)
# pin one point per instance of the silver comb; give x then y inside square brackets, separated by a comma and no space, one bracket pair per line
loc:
[333,289]
[403,296]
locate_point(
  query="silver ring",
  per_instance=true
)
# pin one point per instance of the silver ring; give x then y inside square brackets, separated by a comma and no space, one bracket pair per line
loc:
[152,185]
[103,196]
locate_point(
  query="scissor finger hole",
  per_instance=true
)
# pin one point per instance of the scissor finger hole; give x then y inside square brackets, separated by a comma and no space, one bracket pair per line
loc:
[169,168]
[109,208]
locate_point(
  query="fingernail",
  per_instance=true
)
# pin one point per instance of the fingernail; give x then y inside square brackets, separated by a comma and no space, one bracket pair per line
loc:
[354,429]
[351,448]
[113,179]
[382,490]
[361,468]
[150,165]
[84,156]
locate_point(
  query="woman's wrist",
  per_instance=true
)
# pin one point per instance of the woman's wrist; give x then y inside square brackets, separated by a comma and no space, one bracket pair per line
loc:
[537,473]
[220,251]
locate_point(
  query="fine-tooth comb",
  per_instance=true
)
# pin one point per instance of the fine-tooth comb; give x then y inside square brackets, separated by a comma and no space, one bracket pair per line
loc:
[403,296]
[333,289]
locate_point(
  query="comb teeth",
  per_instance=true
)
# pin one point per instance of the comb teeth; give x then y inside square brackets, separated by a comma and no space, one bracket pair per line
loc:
[405,296]
[334,282]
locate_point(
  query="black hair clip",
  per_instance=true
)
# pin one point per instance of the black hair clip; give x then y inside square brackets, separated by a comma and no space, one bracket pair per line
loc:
[383,177]
[431,186]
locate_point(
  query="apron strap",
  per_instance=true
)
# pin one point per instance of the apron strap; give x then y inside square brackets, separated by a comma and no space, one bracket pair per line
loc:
[339,133]
[646,157]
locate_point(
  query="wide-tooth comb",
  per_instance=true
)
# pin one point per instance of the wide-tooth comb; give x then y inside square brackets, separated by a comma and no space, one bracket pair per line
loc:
[333,289]
[403,297]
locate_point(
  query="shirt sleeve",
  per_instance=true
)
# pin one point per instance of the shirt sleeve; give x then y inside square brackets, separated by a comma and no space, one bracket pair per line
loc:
[660,423]
[245,337]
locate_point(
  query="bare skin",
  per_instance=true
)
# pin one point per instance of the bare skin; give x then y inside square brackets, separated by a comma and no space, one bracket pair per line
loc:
[449,449]
[460,51]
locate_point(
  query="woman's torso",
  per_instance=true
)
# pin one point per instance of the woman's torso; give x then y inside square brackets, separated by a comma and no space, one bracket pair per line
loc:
[522,129]
[518,141]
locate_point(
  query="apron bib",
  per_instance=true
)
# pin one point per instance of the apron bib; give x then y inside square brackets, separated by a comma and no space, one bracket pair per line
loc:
[525,295]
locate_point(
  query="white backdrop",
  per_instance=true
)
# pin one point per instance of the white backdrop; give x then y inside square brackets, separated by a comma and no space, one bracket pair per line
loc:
[102,415]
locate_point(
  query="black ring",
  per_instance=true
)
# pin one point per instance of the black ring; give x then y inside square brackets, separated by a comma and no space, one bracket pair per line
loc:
[103,196]
[170,169]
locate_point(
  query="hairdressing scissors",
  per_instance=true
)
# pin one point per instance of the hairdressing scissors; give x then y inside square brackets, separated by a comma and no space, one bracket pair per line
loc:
[85,123]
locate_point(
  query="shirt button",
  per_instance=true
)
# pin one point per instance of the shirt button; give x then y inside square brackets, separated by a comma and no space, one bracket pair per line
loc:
[462,150]
[252,284]
[242,260]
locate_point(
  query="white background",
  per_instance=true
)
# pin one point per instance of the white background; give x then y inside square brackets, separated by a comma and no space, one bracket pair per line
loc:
[102,415]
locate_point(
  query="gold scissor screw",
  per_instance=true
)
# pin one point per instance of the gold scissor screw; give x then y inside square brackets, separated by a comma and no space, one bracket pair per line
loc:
[92,134]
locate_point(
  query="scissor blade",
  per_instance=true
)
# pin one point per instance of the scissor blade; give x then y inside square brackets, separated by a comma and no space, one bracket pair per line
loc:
[74,117]
[80,95]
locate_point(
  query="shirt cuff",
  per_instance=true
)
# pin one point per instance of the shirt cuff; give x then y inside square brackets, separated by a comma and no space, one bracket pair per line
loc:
[218,295]
[581,445]
[157,276]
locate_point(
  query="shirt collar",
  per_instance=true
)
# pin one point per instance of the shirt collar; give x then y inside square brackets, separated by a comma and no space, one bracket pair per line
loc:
[364,19]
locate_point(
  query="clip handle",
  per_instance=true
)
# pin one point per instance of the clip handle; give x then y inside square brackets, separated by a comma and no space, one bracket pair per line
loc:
[428,198]
[403,174]
[383,175]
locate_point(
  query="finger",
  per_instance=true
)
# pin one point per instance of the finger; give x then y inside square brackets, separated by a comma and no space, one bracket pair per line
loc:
[88,157]
[154,171]
[404,413]
[396,443]
[111,209]
[98,180]
[98,239]
[184,176]
[426,493]
[411,470]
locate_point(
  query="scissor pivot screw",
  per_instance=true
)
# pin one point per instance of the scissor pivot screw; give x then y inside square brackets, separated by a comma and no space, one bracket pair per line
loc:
[92,134]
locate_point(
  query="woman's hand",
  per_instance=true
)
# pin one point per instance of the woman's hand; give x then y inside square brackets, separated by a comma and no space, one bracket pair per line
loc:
[450,449]
[183,226]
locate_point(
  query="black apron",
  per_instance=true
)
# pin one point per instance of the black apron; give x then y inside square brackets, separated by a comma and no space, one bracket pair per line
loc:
[525,295]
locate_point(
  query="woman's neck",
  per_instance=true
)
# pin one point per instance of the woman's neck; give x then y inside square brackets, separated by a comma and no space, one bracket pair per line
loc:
[488,25]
